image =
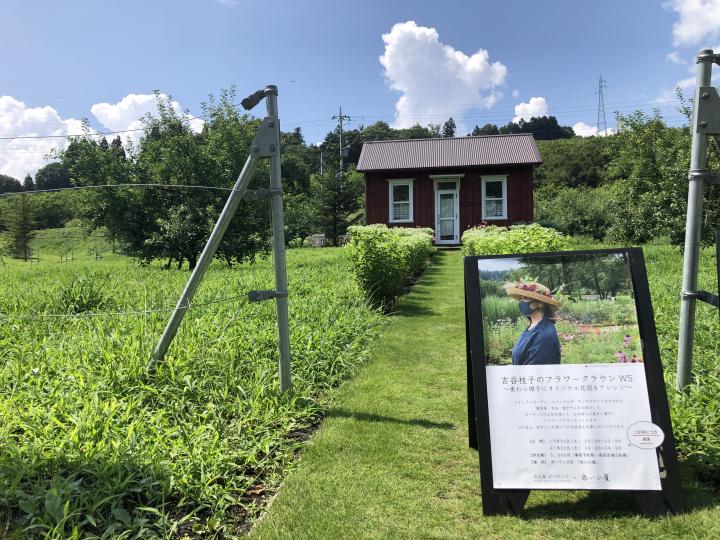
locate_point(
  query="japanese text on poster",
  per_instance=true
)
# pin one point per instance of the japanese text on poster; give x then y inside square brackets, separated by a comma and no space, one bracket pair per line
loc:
[568,427]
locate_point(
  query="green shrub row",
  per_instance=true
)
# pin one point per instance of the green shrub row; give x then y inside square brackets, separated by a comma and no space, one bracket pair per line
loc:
[386,259]
[493,240]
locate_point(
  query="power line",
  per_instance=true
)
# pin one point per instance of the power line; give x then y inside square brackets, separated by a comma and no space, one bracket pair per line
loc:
[79,188]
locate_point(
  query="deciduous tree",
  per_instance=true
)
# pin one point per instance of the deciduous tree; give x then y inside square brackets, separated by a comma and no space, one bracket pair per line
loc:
[8,184]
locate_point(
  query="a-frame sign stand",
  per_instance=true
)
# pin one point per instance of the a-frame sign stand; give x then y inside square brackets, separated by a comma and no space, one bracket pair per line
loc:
[512,501]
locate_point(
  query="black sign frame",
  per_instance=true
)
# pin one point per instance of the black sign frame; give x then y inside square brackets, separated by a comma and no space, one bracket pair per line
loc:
[512,501]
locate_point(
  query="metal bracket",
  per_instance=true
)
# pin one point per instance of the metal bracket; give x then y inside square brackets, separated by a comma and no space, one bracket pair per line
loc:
[703,296]
[708,56]
[708,176]
[256,97]
[708,111]
[259,194]
[266,143]
[262,296]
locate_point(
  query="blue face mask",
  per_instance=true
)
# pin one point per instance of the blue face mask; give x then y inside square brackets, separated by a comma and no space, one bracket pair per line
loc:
[525,308]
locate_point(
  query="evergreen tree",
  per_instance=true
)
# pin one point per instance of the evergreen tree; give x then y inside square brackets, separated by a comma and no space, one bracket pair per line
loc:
[338,198]
[487,129]
[117,148]
[28,184]
[542,128]
[448,129]
[20,225]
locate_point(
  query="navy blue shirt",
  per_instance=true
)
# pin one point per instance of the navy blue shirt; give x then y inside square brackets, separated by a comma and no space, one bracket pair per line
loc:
[539,345]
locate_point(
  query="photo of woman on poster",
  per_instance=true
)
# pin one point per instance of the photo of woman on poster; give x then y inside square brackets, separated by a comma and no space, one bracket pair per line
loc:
[558,310]
[539,342]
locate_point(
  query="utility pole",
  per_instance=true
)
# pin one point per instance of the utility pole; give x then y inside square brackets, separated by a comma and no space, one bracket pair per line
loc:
[601,106]
[340,117]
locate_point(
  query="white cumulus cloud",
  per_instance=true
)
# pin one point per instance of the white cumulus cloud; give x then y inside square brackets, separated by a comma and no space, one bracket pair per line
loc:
[19,157]
[584,130]
[126,115]
[674,57]
[699,21]
[537,106]
[436,80]
[684,84]
[515,93]
[29,134]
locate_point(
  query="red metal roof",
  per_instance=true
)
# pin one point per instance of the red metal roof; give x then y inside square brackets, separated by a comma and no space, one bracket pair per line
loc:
[515,149]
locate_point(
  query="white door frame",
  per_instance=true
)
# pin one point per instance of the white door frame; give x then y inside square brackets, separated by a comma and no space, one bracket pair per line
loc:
[447,178]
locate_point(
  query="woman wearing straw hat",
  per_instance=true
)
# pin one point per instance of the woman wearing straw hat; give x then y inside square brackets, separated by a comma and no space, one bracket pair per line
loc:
[539,343]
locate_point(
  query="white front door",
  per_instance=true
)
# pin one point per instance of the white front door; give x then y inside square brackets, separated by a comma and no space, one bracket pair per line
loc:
[447,226]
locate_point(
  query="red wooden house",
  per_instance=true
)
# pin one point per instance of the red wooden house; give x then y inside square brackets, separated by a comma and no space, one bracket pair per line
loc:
[449,184]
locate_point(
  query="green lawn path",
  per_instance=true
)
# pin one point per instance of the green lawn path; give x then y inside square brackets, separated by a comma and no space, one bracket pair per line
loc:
[392,460]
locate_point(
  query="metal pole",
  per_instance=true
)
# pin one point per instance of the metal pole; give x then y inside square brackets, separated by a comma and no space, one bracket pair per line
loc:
[205,260]
[278,224]
[698,164]
[341,148]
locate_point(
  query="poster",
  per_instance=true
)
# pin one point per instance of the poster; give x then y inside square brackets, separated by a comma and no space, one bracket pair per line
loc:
[565,384]
[576,426]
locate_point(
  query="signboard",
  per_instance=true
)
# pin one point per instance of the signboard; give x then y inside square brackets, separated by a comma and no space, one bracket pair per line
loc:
[565,387]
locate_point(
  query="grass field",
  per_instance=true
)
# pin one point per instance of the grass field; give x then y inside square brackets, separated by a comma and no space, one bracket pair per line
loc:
[68,244]
[92,446]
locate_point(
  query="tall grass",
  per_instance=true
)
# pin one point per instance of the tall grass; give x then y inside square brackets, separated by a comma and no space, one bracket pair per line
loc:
[496,308]
[92,446]
[695,414]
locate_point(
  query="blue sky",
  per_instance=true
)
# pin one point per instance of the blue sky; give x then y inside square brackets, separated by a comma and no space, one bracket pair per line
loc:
[62,61]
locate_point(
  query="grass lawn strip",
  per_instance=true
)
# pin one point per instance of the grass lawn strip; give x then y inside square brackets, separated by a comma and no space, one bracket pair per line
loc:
[392,461]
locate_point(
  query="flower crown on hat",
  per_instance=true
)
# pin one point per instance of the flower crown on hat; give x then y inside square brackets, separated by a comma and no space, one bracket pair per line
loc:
[531,289]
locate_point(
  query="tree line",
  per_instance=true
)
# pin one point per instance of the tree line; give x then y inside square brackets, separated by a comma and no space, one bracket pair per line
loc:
[630,187]
[172,224]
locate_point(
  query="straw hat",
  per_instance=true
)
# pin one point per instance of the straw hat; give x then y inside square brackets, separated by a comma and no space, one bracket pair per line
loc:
[531,289]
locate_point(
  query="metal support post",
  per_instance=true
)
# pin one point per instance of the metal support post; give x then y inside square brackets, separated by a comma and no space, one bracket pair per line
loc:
[278,242]
[205,259]
[698,165]
[265,145]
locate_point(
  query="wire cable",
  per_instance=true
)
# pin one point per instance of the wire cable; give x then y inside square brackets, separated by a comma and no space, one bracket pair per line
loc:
[92,314]
[79,188]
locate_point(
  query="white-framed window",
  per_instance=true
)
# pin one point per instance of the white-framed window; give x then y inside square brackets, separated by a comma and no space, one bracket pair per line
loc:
[401,200]
[494,197]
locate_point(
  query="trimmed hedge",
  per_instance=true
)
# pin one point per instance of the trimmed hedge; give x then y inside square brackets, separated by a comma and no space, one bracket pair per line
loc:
[492,240]
[386,259]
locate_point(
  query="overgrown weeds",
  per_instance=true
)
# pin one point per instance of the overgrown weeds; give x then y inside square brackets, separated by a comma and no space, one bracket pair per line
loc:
[92,446]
